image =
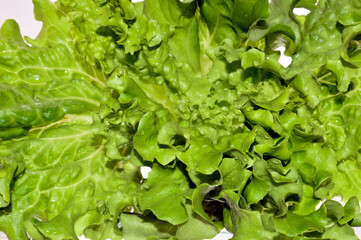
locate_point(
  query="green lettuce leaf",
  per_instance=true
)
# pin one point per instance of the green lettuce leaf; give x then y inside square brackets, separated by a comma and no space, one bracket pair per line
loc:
[193,91]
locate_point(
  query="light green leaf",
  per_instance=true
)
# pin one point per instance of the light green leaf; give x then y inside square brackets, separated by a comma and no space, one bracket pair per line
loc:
[167,200]
[136,227]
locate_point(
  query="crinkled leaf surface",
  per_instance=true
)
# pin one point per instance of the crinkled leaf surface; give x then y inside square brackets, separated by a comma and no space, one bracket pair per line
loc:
[194,91]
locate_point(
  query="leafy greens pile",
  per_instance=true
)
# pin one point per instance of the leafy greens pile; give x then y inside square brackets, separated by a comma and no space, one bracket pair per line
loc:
[194,91]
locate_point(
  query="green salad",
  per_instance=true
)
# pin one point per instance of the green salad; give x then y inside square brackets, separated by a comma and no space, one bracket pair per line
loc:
[194,91]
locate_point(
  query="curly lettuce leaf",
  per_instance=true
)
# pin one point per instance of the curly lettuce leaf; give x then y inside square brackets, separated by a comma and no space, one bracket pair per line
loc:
[194,91]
